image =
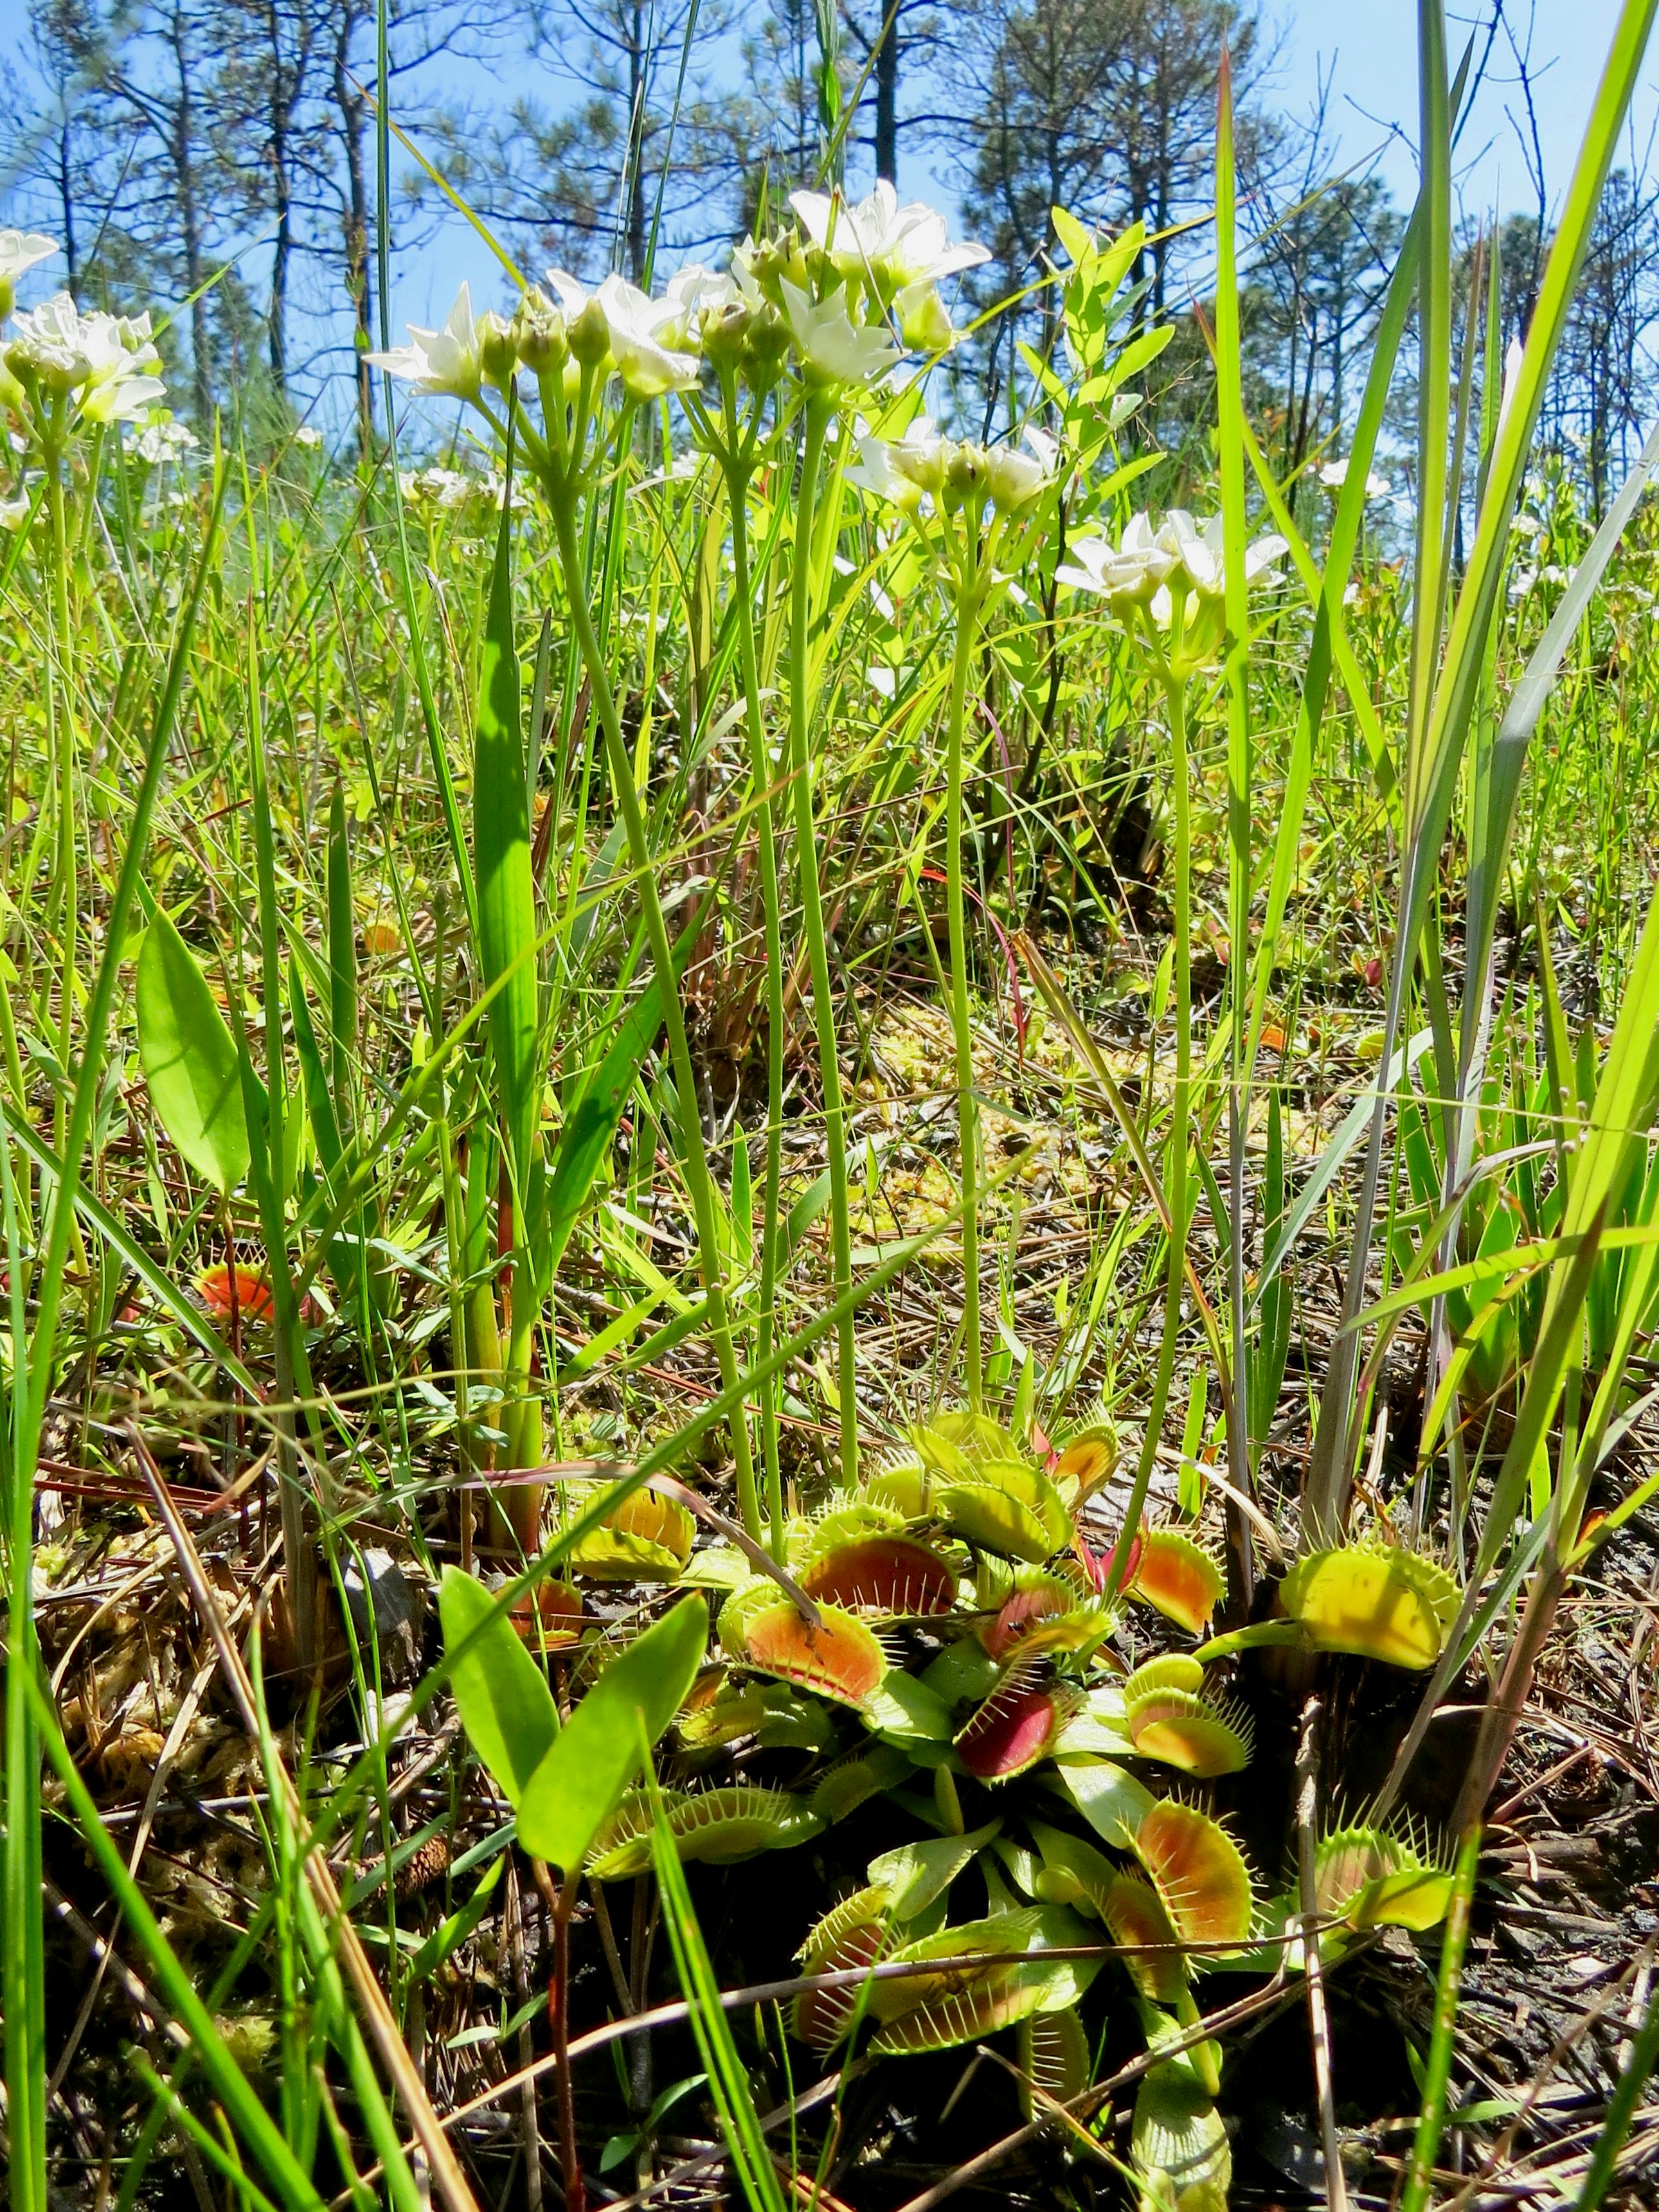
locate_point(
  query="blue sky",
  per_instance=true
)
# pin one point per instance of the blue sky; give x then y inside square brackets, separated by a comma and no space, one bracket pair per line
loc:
[1368,54]
[1367,51]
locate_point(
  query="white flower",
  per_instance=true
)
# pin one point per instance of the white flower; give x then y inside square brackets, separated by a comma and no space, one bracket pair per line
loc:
[1199,552]
[831,349]
[689,293]
[1017,478]
[444,361]
[161,441]
[446,488]
[1335,475]
[1127,574]
[308,434]
[1526,525]
[641,332]
[896,247]
[874,471]
[20,250]
[15,513]
[1046,448]
[52,341]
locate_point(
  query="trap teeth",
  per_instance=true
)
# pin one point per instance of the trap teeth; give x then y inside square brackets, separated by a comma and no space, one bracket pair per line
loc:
[1198,1871]
[1016,1725]
[837,1656]
[1382,1878]
[881,1576]
[1178,1577]
[1182,1729]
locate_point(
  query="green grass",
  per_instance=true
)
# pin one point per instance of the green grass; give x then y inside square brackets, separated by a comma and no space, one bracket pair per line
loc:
[657,978]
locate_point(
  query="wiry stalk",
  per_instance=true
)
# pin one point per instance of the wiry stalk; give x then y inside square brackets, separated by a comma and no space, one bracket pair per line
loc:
[694,1152]
[961,1017]
[736,469]
[819,412]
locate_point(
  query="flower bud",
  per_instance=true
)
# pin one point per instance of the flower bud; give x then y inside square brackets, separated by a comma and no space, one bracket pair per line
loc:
[538,332]
[498,350]
[771,262]
[589,336]
[725,332]
[924,325]
[967,477]
[766,347]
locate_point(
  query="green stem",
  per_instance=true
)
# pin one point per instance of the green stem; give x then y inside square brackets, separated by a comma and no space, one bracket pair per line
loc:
[693,1151]
[961,1023]
[760,770]
[1432,2118]
[63,745]
[819,410]
[1180,1116]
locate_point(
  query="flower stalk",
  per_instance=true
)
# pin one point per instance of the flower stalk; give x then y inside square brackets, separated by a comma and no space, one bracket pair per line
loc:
[820,413]
[562,487]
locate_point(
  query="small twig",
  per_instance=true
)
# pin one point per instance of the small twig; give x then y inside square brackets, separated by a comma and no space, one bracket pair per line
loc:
[532,2134]
[1307,1837]
[561,1904]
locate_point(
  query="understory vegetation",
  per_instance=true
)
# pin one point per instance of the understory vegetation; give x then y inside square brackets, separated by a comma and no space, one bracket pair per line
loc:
[831,1256]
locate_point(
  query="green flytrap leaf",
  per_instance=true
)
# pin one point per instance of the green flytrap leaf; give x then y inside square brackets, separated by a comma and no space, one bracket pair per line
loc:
[189,1059]
[599,1750]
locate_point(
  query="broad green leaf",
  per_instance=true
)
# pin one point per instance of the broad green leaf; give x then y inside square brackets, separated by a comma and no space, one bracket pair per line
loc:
[1109,1797]
[501,841]
[190,1059]
[505,1704]
[918,1872]
[598,1753]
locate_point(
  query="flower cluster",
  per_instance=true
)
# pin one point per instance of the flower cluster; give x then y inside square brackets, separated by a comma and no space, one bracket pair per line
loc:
[922,469]
[96,368]
[1175,575]
[847,292]
[162,441]
[447,491]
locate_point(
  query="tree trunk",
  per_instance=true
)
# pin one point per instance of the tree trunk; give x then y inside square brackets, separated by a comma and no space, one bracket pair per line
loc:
[887,82]
[66,198]
[279,118]
[636,241]
[351,106]
[183,153]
